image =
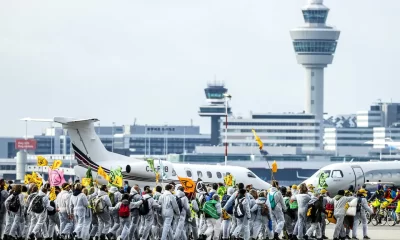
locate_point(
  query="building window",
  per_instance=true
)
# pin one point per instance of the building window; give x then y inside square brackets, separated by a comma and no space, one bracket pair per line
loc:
[209,174]
[315,46]
[199,174]
[219,175]
[188,173]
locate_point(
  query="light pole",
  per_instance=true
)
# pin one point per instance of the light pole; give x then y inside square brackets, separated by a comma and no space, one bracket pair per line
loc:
[227,98]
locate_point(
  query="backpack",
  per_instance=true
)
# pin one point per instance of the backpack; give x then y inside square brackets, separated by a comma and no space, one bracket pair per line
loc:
[179,202]
[37,204]
[209,196]
[51,213]
[210,211]
[293,205]
[271,198]
[112,199]
[359,205]
[239,209]
[98,205]
[225,199]
[264,210]
[14,204]
[123,211]
[144,209]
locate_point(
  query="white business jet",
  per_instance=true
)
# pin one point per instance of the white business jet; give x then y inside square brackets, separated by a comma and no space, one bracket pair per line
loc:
[90,152]
[342,175]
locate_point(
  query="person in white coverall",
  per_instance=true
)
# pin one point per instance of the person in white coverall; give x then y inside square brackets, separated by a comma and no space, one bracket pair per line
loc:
[340,212]
[62,203]
[243,221]
[78,205]
[226,223]
[262,222]
[180,229]
[169,208]
[149,217]
[104,217]
[38,219]
[3,213]
[114,215]
[277,213]
[135,217]
[18,224]
[302,202]
[360,213]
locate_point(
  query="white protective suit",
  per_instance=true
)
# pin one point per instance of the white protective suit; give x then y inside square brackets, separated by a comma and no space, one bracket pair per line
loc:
[149,217]
[135,217]
[17,225]
[262,222]
[78,207]
[104,217]
[114,216]
[302,202]
[243,223]
[361,215]
[226,224]
[169,208]
[340,213]
[125,222]
[62,203]
[277,212]
[180,225]
[38,220]
[3,212]
[214,225]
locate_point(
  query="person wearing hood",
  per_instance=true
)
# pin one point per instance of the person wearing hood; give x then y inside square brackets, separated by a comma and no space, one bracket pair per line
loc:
[15,207]
[212,213]
[340,212]
[135,196]
[169,208]
[362,207]
[114,215]
[180,224]
[37,209]
[104,217]
[316,204]
[226,222]
[62,203]
[253,198]
[124,214]
[158,221]
[323,215]
[94,230]
[191,222]
[262,217]
[244,217]
[289,215]
[87,217]
[148,219]
[3,213]
[278,207]
[302,202]
[78,205]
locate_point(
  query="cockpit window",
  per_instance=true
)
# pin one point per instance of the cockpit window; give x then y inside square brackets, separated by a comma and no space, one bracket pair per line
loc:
[173,172]
[337,174]
[328,172]
[251,175]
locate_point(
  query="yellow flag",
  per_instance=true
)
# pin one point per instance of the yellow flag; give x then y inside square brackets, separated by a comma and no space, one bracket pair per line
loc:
[118,181]
[56,164]
[107,178]
[52,194]
[274,167]
[41,161]
[27,178]
[157,176]
[86,182]
[101,172]
[258,140]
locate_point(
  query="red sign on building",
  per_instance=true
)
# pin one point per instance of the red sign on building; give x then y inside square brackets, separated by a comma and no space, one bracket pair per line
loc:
[25,144]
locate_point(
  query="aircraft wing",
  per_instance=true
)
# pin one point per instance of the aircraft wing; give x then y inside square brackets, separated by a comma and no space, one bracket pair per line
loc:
[300,177]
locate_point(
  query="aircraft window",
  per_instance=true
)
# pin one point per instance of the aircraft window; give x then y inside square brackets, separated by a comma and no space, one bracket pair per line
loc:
[251,175]
[219,175]
[173,172]
[209,174]
[188,173]
[199,174]
[337,174]
[328,172]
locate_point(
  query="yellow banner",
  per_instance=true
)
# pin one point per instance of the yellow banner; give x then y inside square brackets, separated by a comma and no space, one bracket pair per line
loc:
[86,182]
[118,181]
[258,140]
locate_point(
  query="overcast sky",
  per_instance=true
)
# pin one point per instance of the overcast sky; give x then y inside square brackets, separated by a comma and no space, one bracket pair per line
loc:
[150,60]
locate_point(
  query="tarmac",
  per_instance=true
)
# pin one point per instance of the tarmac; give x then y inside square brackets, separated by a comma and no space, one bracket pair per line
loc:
[374,232]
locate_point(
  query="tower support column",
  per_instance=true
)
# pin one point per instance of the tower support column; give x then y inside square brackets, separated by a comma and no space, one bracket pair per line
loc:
[315,91]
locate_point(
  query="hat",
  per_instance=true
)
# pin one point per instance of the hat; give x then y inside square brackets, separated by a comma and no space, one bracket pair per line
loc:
[294,186]
[362,191]
[310,186]
[323,191]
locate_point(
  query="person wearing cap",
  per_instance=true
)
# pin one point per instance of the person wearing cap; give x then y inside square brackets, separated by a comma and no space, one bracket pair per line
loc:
[362,207]
[323,215]
[310,189]
[340,212]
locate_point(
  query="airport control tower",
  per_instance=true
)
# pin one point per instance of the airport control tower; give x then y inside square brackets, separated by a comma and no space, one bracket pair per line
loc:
[215,108]
[315,44]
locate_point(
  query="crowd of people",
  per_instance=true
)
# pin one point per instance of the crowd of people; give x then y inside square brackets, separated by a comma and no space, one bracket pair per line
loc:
[211,212]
